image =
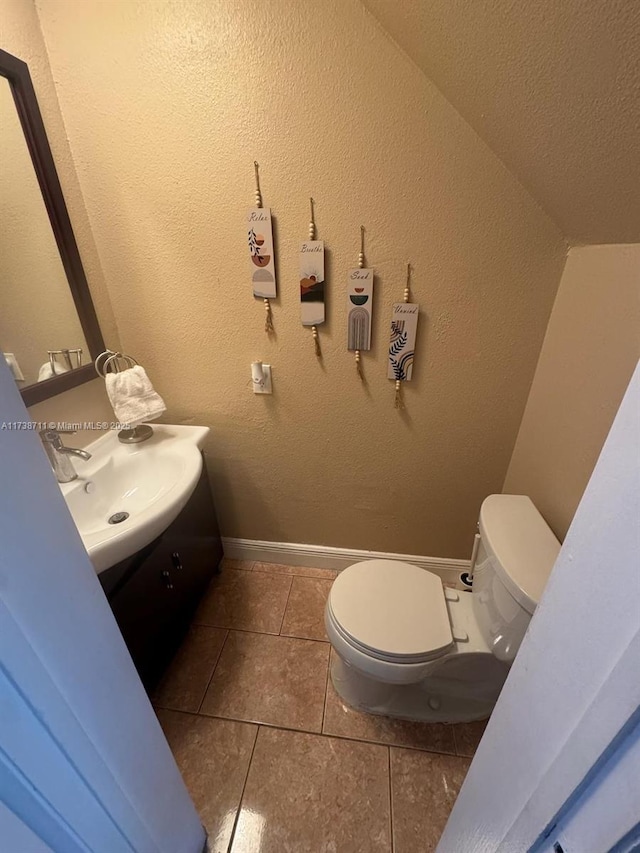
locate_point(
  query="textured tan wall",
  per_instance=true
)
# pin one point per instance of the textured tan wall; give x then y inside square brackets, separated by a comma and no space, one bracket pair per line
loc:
[87,404]
[166,106]
[589,353]
[37,311]
[20,35]
[553,88]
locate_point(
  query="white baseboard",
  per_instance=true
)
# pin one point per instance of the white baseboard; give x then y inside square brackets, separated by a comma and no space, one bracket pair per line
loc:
[326,557]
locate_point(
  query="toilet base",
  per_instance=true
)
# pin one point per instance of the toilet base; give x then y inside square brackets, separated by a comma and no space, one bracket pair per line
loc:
[433,700]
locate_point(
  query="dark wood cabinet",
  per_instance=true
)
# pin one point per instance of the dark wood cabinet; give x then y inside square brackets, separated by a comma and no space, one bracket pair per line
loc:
[154,593]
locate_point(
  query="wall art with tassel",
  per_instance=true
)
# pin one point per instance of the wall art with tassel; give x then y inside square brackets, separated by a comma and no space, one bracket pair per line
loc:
[261,253]
[359,307]
[312,283]
[402,343]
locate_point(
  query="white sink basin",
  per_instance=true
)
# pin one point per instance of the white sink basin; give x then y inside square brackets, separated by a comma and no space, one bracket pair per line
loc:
[151,481]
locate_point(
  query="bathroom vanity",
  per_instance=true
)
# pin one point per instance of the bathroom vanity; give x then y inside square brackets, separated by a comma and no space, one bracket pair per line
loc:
[154,592]
[146,517]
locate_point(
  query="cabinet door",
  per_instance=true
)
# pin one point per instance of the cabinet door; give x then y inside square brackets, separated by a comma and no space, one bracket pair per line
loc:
[145,610]
[193,545]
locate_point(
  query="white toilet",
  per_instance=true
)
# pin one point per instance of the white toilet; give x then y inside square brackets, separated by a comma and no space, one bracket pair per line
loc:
[408,647]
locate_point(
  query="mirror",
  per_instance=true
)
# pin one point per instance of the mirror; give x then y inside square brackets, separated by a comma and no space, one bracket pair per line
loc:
[49,333]
[38,321]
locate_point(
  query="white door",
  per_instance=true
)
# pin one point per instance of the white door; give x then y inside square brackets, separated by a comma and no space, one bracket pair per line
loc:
[573,692]
[84,765]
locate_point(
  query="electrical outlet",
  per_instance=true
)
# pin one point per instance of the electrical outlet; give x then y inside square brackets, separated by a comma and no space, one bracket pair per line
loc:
[261,378]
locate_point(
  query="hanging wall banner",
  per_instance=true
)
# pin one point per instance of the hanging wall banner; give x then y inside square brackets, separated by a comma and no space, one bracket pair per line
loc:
[260,235]
[404,325]
[360,303]
[312,282]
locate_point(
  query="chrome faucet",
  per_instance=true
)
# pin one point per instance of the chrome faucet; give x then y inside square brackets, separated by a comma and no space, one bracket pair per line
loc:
[59,454]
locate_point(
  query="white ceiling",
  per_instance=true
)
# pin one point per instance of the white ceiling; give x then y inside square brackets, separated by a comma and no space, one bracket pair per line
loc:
[552,86]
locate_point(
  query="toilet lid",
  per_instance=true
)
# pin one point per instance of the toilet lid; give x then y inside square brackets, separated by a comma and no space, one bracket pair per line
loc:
[393,609]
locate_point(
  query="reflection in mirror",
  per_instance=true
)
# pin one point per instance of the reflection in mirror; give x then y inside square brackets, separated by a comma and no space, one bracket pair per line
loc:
[40,331]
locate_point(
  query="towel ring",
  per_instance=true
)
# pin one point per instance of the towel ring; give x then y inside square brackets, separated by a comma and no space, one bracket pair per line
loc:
[114,362]
[109,361]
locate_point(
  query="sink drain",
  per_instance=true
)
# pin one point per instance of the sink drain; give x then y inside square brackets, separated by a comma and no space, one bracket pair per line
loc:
[118,517]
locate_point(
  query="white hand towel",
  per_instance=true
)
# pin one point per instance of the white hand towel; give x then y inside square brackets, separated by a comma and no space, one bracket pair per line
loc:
[47,371]
[132,396]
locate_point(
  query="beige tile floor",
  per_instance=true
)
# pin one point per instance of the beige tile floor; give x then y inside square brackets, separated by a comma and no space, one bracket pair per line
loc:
[274,760]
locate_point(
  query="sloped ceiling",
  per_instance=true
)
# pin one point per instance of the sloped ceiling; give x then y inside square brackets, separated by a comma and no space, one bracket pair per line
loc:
[552,86]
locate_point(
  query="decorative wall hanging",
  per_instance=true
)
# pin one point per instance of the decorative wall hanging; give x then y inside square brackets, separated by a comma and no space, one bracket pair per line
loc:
[360,305]
[312,282]
[260,236]
[404,325]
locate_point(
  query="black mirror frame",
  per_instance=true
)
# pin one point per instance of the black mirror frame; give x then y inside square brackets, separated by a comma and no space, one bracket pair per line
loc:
[17,73]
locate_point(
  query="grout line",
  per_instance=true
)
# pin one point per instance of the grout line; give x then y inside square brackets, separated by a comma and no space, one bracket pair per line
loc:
[326,693]
[215,666]
[298,637]
[252,631]
[244,786]
[284,612]
[283,728]
[391,805]
[268,634]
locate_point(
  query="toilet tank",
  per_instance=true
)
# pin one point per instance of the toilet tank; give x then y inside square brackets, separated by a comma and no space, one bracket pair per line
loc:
[516,554]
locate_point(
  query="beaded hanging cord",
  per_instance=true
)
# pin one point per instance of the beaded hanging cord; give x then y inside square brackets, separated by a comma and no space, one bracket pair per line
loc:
[312,236]
[268,320]
[399,403]
[361,266]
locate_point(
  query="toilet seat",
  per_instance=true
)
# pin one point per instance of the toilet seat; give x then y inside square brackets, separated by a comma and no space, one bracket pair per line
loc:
[391,611]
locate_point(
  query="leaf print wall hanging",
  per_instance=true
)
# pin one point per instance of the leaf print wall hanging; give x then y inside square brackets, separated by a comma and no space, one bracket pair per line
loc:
[402,343]
[312,282]
[260,238]
[359,306]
